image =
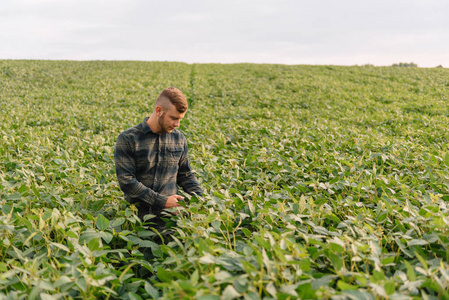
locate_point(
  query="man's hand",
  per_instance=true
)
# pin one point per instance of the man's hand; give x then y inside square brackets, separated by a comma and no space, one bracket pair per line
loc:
[172,201]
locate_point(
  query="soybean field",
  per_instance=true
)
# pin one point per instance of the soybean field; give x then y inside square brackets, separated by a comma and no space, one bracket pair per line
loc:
[321,182]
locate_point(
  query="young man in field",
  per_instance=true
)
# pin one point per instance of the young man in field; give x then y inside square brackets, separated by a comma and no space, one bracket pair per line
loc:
[151,159]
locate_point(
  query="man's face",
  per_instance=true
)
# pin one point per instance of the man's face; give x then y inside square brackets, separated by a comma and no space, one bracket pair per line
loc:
[170,119]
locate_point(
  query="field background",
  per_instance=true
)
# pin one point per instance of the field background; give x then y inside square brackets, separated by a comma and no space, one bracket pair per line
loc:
[321,182]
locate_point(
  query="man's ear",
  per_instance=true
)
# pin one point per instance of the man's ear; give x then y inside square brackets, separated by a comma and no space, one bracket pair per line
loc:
[159,110]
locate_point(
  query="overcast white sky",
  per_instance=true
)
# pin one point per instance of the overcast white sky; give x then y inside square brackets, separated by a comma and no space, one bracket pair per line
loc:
[344,32]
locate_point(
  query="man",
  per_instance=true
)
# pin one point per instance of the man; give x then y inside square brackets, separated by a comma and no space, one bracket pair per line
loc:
[151,159]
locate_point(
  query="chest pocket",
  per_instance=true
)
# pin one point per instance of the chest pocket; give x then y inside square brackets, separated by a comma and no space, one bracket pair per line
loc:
[174,153]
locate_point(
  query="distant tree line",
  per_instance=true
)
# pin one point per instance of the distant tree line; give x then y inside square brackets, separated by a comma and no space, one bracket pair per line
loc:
[410,65]
[406,65]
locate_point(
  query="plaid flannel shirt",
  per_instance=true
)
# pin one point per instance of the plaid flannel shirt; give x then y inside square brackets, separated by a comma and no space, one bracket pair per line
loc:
[149,167]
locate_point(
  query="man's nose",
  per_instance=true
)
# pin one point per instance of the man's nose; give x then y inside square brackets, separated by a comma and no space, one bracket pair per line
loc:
[177,123]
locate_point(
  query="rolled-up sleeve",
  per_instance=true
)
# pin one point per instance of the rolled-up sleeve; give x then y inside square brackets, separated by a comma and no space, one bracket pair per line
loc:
[125,168]
[186,176]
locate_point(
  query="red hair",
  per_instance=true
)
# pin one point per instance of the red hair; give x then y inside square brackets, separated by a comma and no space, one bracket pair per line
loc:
[175,96]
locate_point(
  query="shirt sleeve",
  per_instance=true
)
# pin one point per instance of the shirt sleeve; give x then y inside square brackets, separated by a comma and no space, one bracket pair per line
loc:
[186,176]
[125,168]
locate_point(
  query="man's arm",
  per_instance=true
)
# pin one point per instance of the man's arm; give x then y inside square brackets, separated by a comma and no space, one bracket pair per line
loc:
[125,168]
[186,177]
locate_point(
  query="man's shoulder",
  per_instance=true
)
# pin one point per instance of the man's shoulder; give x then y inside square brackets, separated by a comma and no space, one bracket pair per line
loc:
[135,130]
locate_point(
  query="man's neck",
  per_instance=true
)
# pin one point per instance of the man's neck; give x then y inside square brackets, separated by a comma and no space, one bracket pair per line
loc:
[153,124]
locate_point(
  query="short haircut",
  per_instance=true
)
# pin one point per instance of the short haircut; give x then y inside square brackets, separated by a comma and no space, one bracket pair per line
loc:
[175,96]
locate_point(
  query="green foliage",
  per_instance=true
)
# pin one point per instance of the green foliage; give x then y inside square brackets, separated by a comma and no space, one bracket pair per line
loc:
[321,181]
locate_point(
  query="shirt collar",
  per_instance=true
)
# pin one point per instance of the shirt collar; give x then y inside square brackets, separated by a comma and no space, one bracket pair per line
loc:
[145,127]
